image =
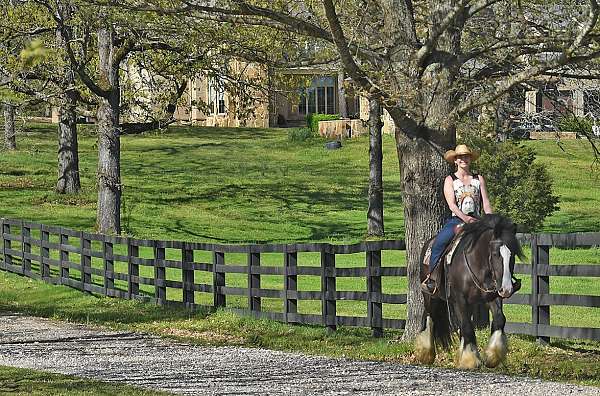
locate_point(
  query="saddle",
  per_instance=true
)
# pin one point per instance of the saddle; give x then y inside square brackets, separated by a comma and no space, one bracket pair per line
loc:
[445,260]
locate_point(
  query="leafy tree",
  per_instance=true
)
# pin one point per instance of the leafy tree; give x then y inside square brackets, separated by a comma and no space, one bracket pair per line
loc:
[36,67]
[519,187]
[430,63]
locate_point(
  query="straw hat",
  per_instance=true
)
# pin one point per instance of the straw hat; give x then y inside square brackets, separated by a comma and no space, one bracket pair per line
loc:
[461,149]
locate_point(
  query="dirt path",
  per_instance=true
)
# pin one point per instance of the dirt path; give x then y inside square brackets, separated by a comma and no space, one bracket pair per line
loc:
[152,362]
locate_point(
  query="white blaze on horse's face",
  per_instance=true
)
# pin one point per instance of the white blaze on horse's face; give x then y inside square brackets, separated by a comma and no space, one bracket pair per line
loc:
[506,289]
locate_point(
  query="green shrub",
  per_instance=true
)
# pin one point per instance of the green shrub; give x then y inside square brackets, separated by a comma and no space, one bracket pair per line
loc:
[312,120]
[518,186]
[300,134]
[576,124]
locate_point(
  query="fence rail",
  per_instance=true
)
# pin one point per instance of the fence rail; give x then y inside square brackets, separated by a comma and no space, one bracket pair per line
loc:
[146,270]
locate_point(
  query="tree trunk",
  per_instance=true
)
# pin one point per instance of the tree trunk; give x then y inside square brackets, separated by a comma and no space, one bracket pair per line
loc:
[109,145]
[422,165]
[342,108]
[9,127]
[68,152]
[375,212]
[422,171]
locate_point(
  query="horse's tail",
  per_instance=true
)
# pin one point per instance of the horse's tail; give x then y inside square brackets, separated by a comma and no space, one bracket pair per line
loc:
[442,329]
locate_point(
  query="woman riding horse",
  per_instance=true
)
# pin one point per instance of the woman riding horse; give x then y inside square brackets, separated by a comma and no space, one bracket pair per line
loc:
[480,272]
[465,194]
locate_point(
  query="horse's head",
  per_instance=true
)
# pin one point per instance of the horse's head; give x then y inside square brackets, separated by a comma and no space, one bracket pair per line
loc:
[502,262]
[503,247]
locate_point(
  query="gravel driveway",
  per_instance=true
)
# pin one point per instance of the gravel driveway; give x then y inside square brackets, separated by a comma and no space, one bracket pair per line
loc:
[152,362]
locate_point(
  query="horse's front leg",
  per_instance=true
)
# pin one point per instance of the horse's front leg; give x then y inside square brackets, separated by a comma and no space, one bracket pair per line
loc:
[468,356]
[497,347]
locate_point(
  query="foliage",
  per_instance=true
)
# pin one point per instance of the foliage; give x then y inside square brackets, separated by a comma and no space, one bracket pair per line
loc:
[580,125]
[518,186]
[300,134]
[312,120]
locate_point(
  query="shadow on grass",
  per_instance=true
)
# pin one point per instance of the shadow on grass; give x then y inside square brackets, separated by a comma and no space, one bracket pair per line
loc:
[25,296]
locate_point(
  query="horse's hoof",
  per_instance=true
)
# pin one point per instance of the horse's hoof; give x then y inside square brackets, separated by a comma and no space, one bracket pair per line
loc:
[424,344]
[468,358]
[496,351]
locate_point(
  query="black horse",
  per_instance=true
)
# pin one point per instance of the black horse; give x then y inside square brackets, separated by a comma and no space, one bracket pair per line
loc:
[480,272]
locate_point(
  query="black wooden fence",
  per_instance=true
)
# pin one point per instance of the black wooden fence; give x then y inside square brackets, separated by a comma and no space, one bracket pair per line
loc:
[541,299]
[145,269]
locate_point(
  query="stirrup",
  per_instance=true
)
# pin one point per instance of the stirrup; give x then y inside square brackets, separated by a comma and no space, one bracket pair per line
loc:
[428,284]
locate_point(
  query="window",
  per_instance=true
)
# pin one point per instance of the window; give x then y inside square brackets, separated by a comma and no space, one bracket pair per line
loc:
[312,105]
[302,104]
[221,101]
[330,100]
[321,100]
[320,97]
[216,96]
[212,95]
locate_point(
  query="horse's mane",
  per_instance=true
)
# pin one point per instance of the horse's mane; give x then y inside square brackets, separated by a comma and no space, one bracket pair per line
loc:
[503,228]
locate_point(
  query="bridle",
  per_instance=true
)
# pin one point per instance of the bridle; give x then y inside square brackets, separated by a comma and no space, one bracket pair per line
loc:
[494,243]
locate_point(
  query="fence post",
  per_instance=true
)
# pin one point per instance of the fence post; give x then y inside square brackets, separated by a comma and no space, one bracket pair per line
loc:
[290,284]
[328,290]
[63,256]
[374,307]
[6,245]
[187,275]
[540,286]
[218,279]
[45,253]
[109,267]
[85,244]
[160,273]
[26,244]
[133,285]
[253,282]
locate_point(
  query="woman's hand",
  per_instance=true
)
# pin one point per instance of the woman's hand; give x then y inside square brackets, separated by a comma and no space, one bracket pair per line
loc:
[469,219]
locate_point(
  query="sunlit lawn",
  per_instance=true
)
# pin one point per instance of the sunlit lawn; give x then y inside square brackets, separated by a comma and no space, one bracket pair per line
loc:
[253,185]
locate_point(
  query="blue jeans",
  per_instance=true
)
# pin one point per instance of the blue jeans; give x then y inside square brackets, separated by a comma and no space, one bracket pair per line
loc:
[442,240]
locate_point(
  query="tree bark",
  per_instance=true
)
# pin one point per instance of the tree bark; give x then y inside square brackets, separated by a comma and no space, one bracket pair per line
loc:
[109,145]
[9,127]
[422,171]
[68,151]
[375,212]
[342,108]
[422,166]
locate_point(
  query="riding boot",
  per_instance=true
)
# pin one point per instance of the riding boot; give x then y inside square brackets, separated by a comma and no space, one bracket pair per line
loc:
[428,286]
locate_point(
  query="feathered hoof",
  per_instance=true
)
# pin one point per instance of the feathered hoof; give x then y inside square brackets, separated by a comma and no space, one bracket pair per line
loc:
[497,349]
[468,357]
[425,345]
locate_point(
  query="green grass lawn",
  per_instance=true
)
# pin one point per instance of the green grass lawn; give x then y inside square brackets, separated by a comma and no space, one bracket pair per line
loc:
[250,185]
[564,360]
[16,381]
[253,185]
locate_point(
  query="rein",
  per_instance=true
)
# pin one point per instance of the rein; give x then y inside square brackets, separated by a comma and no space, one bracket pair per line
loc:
[474,277]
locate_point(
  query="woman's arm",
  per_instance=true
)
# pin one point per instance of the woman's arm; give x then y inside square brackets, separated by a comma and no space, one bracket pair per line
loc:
[451,201]
[487,208]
